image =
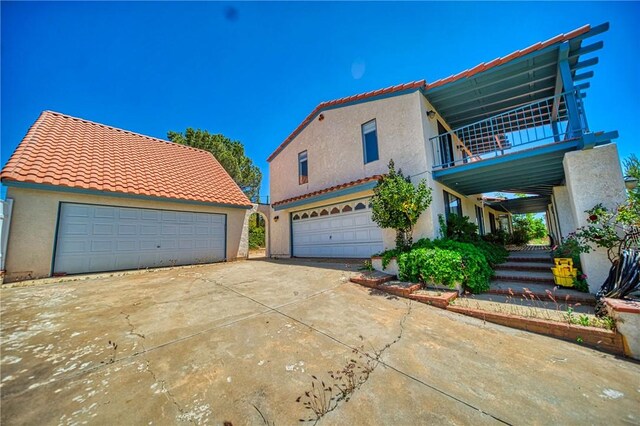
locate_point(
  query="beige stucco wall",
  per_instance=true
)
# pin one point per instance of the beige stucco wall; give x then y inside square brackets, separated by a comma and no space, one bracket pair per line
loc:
[335,156]
[334,146]
[35,213]
[594,176]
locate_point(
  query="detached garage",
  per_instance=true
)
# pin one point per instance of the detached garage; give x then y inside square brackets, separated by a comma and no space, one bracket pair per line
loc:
[91,198]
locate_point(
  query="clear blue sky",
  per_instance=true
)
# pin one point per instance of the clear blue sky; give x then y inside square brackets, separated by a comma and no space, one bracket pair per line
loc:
[253,71]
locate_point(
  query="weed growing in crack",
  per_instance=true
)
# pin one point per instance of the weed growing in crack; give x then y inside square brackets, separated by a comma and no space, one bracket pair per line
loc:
[113,346]
[324,397]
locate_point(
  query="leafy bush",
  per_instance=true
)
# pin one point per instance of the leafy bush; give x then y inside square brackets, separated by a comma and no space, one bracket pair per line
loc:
[498,237]
[518,237]
[475,266]
[526,227]
[431,265]
[495,253]
[397,204]
[460,228]
[446,262]
[256,236]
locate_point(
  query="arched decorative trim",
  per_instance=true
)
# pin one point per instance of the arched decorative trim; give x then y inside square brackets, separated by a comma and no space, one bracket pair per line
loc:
[346,208]
[314,214]
[335,210]
[305,216]
[324,212]
[296,217]
[360,206]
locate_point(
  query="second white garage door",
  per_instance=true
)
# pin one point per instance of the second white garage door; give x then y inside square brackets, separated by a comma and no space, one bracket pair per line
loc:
[344,230]
[93,238]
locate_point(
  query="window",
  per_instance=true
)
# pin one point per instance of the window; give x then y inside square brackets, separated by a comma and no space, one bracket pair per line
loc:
[452,204]
[303,168]
[480,220]
[370,141]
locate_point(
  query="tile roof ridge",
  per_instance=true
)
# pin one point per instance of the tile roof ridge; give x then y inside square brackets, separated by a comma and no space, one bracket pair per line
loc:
[106,126]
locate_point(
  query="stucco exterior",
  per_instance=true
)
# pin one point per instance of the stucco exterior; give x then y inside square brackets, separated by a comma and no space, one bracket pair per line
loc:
[594,176]
[35,214]
[335,156]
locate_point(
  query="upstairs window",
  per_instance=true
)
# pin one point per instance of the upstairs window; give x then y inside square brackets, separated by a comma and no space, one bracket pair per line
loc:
[370,141]
[452,205]
[303,168]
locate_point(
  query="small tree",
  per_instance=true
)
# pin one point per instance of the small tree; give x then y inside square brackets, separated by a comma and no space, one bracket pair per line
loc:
[397,204]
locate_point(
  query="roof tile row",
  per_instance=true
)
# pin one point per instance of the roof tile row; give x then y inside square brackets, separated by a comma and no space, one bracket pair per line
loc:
[327,190]
[67,151]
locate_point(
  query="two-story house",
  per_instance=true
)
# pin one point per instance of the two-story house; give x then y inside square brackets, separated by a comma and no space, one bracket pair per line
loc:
[516,124]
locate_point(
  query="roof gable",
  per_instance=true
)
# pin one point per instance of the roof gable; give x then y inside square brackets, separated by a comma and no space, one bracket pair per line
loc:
[71,152]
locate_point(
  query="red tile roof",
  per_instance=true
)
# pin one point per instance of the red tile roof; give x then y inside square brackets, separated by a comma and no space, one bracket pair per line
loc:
[422,84]
[330,189]
[75,153]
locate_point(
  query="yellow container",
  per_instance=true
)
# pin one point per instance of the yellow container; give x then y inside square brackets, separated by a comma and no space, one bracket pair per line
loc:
[563,261]
[564,275]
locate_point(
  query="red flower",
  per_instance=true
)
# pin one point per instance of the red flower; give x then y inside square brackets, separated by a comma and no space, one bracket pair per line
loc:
[593,218]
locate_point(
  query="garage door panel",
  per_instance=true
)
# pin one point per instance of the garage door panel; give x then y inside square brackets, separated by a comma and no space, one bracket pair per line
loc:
[102,238]
[104,212]
[77,228]
[125,229]
[102,229]
[101,246]
[351,234]
[125,245]
[72,247]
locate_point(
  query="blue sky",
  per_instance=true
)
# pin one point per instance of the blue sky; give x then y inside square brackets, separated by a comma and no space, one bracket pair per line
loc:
[253,71]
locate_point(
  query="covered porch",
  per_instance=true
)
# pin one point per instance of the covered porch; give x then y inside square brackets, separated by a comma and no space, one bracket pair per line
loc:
[521,127]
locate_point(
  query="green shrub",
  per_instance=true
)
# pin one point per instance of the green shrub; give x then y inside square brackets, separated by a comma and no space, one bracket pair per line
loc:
[495,253]
[497,237]
[446,262]
[460,228]
[475,266]
[431,265]
[256,236]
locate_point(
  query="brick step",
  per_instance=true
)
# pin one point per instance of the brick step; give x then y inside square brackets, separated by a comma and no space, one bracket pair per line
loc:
[524,266]
[524,276]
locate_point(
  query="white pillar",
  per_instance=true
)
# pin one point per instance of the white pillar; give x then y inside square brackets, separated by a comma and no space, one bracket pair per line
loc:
[594,176]
[564,211]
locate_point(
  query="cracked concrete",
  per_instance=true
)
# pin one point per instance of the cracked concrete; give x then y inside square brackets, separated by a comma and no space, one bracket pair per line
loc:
[239,342]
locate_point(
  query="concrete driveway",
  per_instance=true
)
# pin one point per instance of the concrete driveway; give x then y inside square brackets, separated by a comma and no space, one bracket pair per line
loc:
[242,342]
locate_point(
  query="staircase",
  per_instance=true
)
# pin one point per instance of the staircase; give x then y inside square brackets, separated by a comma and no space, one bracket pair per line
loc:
[528,274]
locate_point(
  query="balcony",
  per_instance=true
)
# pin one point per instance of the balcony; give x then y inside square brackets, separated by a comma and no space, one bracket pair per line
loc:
[542,122]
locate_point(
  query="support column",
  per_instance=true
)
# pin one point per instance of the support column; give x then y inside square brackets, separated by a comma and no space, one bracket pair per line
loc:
[564,211]
[594,176]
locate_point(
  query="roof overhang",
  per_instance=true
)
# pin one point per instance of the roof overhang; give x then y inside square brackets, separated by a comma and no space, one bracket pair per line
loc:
[523,205]
[520,78]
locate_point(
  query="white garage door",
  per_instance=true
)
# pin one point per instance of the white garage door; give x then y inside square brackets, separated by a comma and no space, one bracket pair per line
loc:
[344,230]
[94,238]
